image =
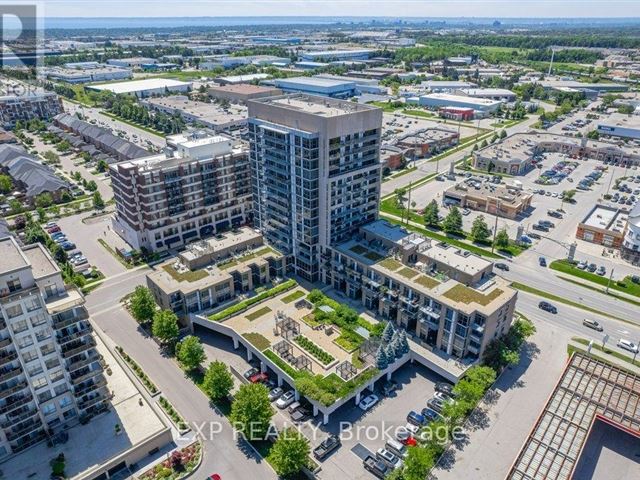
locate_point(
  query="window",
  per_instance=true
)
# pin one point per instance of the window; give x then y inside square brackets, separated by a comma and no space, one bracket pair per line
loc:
[32,303]
[38,319]
[47,349]
[14,311]
[56,375]
[14,285]
[43,334]
[25,341]
[29,356]
[51,290]
[49,409]
[60,389]
[35,370]
[39,383]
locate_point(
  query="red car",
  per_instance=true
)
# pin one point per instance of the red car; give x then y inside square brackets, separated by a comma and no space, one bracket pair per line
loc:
[410,442]
[53,229]
[259,378]
[215,476]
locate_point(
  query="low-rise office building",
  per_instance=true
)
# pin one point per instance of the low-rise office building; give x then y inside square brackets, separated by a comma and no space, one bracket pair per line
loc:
[328,87]
[171,199]
[447,298]
[212,272]
[32,106]
[241,92]
[481,106]
[504,201]
[429,142]
[603,226]
[51,375]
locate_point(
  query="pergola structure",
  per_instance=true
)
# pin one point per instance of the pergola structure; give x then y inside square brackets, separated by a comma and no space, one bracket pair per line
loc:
[346,370]
[286,326]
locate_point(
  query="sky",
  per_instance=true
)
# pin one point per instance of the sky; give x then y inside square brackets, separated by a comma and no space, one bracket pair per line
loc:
[393,8]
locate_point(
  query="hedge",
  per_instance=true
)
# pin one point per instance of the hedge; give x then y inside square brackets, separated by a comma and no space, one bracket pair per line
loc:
[241,306]
[173,414]
[138,371]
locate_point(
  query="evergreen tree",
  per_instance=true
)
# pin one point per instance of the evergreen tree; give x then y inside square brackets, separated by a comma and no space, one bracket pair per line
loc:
[480,231]
[431,214]
[453,221]
[388,332]
[390,353]
[381,358]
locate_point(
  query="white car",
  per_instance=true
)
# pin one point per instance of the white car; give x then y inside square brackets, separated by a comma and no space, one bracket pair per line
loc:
[412,429]
[367,402]
[286,399]
[275,393]
[628,345]
[441,396]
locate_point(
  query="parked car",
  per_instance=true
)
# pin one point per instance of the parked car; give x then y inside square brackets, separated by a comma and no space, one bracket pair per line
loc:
[275,394]
[601,271]
[259,377]
[57,235]
[368,402]
[628,345]
[581,265]
[442,396]
[547,307]
[534,235]
[466,211]
[389,458]
[301,414]
[250,373]
[546,223]
[412,429]
[540,228]
[68,246]
[327,446]
[587,322]
[415,418]
[502,266]
[286,399]
[51,230]
[376,467]
[542,261]
[429,414]
[592,267]
[80,260]
[444,387]
[435,404]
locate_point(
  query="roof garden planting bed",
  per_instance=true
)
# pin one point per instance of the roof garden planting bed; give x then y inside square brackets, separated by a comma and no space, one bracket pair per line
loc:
[257,340]
[359,249]
[236,261]
[426,281]
[311,347]
[408,272]
[292,297]
[391,264]
[245,304]
[373,256]
[463,294]
[257,314]
[188,276]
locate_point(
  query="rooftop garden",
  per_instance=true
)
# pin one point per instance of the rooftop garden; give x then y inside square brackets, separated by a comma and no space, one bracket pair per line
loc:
[463,294]
[292,297]
[390,264]
[257,314]
[244,304]
[324,357]
[188,276]
[257,340]
[232,262]
[408,272]
[366,253]
[426,281]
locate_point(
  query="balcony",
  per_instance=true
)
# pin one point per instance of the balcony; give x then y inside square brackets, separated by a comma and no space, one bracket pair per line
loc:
[11,421]
[73,349]
[69,299]
[431,313]
[5,392]
[85,404]
[99,382]
[478,330]
[5,342]
[84,329]
[25,429]
[81,375]
[67,321]
[14,402]
[10,373]
[8,357]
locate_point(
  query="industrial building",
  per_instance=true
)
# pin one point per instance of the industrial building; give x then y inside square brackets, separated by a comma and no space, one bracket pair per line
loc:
[332,55]
[236,79]
[504,201]
[480,106]
[144,88]
[51,375]
[86,72]
[201,188]
[599,88]
[328,87]
[315,171]
[445,86]
[498,94]
[241,92]
[620,125]
[31,106]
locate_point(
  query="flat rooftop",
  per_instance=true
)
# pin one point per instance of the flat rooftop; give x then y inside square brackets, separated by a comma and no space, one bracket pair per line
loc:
[141,85]
[12,256]
[220,243]
[211,113]
[620,120]
[506,194]
[449,97]
[243,88]
[314,81]
[243,78]
[589,391]
[605,218]
[42,265]
[316,105]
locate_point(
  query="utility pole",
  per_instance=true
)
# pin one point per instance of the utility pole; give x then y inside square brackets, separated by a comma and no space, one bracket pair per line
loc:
[495,227]
[408,203]
[609,282]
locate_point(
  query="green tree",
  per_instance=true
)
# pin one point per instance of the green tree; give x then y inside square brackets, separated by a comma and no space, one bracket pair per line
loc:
[92,186]
[44,200]
[190,352]
[98,202]
[16,206]
[42,214]
[431,214]
[142,304]
[165,326]
[59,254]
[569,196]
[251,411]
[5,184]
[102,166]
[503,134]
[63,146]
[51,156]
[418,463]
[34,234]
[502,239]
[452,223]
[479,230]
[289,453]
[218,381]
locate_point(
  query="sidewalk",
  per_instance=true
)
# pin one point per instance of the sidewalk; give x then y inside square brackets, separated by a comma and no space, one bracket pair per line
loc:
[607,357]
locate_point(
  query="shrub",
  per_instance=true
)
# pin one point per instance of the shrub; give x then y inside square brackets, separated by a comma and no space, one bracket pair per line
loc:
[324,357]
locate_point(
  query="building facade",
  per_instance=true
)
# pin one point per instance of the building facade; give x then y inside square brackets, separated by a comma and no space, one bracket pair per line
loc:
[36,106]
[315,171]
[630,249]
[50,372]
[200,189]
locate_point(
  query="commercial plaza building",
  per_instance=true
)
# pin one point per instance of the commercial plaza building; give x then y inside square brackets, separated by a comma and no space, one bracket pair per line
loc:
[315,171]
[168,200]
[50,372]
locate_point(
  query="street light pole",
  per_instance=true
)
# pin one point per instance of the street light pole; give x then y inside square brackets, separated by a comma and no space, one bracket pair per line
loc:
[609,282]
[495,228]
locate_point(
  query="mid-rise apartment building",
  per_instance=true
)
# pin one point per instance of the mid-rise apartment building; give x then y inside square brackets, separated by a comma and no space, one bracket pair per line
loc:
[50,372]
[448,299]
[31,106]
[315,173]
[200,188]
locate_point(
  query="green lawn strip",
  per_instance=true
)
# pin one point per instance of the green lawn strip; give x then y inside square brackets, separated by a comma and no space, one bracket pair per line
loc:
[426,281]
[613,353]
[348,342]
[444,238]
[597,289]
[550,296]
[188,276]
[462,293]
[624,286]
[316,351]
[258,313]
[408,272]
[257,340]
[114,254]
[400,173]
[284,366]
[373,256]
[310,320]
[235,261]
[417,113]
[243,305]
[292,297]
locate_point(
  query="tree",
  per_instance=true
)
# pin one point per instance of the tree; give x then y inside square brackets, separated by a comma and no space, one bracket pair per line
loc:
[503,134]
[5,184]
[42,214]
[218,381]
[289,453]
[59,254]
[190,352]
[502,239]
[400,194]
[568,196]
[381,358]
[102,166]
[92,186]
[315,296]
[418,463]
[453,221]
[165,326]
[98,202]
[431,214]
[479,230]
[51,156]
[44,200]
[251,411]
[142,304]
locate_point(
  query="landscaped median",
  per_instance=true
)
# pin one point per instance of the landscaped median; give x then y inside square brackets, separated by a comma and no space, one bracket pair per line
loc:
[625,285]
[245,304]
[173,414]
[137,370]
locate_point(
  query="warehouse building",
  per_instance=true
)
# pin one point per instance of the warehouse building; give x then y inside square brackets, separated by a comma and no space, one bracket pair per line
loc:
[499,94]
[620,125]
[241,92]
[327,87]
[144,88]
[439,86]
[133,62]
[88,73]
[331,55]
[438,100]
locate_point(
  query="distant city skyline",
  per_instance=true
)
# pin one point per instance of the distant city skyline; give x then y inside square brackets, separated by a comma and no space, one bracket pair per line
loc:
[369,8]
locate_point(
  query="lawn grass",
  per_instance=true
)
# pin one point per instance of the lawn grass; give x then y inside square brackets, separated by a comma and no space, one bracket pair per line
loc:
[310,319]
[373,256]
[556,298]
[625,285]
[418,113]
[462,293]
[427,282]
[292,297]
[188,276]
[390,264]
[408,272]
[613,353]
[597,289]
[358,249]
[257,314]
[348,343]
[235,261]
[257,340]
